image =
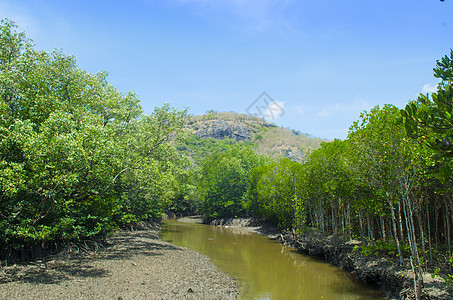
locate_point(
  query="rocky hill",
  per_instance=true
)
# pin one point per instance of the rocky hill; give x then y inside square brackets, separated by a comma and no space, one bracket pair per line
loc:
[270,139]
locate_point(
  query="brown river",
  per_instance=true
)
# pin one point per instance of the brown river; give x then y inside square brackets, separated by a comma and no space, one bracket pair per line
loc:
[264,268]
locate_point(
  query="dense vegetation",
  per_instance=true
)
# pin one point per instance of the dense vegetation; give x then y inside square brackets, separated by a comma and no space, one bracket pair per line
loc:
[77,158]
[389,182]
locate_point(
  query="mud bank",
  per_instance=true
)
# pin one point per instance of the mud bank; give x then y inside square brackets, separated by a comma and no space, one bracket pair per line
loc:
[135,265]
[394,281]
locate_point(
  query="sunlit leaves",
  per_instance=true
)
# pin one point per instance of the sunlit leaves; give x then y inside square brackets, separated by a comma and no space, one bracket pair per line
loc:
[429,121]
[225,178]
[76,156]
[275,193]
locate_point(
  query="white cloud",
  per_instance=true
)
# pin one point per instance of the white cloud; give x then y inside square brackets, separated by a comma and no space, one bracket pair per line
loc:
[429,88]
[267,108]
[324,113]
[274,110]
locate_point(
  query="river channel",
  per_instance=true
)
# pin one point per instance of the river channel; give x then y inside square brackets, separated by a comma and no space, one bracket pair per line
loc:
[264,268]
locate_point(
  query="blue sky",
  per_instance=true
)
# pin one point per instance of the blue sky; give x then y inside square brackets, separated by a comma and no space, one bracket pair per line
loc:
[323,62]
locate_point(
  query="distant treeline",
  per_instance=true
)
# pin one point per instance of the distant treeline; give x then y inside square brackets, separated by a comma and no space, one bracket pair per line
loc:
[390,182]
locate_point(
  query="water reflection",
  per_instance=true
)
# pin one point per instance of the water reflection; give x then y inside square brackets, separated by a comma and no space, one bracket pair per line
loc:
[265,269]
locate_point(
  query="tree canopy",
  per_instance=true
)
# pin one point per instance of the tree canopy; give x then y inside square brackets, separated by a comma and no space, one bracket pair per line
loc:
[77,157]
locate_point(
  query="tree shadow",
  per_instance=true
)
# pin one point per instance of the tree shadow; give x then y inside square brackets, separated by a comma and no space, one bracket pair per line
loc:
[80,265]
[52,273]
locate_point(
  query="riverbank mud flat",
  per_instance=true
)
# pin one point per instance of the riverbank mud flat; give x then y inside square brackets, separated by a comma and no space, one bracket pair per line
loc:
[135,265]
[394,281]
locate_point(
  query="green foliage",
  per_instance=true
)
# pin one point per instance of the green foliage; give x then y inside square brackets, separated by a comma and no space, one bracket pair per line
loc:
[199,148]
[224,180]
[77,158]
[380,248]
[389,182]
[429,119]
[274,193]
[446,277]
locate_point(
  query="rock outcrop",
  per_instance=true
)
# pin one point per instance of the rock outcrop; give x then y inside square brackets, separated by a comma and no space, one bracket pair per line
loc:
[220,129]
[270,140]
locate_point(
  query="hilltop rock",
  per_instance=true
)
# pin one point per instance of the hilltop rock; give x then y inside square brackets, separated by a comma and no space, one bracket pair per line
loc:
[270,139]
[220,129]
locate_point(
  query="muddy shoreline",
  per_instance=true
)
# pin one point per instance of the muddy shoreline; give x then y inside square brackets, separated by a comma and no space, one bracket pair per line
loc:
[394,281]
[139,265]
[134,265]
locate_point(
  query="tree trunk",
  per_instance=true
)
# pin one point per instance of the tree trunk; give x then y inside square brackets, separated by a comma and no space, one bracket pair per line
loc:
[429,232]
[415,259]
[395,232]
[400,223]
[436,222]
[310,212]
[334,225]
[449,234]
[422,233]
[362,223]
[384,235]
[447,219]
[349,221]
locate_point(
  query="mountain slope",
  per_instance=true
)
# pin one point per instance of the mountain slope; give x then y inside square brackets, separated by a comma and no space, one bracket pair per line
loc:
[271,140]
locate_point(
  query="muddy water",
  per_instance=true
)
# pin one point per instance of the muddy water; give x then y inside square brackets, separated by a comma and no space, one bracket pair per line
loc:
[264,268]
